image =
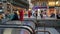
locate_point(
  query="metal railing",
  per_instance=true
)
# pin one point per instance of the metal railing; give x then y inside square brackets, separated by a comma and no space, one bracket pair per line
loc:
[43,31]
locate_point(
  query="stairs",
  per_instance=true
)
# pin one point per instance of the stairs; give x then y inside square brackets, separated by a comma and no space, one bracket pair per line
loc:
[58,29]
[51,30]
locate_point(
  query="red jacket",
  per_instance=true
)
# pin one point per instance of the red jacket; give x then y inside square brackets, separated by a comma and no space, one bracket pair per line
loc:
[21,13]
[29,14]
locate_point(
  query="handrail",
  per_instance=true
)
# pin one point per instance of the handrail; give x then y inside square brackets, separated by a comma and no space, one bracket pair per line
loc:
[22,27]
[24,20]
[19,24]
[43,31]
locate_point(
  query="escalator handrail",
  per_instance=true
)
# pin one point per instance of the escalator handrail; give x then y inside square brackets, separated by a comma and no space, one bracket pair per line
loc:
[22,27]
[19,24]
[24,20]
[43,31]
[27,20]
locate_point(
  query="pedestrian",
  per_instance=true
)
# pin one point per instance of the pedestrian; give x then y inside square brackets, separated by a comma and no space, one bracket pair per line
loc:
[15,17]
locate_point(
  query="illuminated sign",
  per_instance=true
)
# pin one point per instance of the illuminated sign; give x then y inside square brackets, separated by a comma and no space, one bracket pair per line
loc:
[38,7]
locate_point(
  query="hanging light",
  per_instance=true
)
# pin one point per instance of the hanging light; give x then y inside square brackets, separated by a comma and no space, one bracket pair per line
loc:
[51,3]
[29,8]
[57,2]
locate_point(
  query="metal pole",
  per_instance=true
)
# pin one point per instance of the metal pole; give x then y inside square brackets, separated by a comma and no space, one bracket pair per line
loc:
[4,2]
[4,6]
[11,6]
[44,28]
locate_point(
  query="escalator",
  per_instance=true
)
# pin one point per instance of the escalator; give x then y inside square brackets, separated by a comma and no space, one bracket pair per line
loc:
[15,29]
[19,29]
[37,29]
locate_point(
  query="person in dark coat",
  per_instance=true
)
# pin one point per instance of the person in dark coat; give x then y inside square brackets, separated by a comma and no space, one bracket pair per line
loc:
[15,17]
[41,14]
[52,15]
[58,15]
